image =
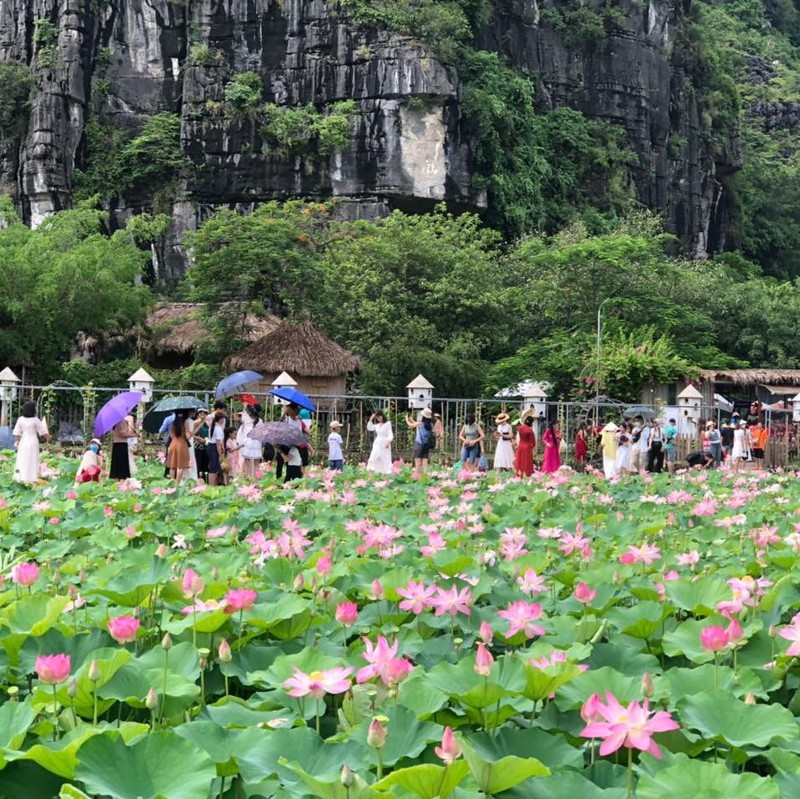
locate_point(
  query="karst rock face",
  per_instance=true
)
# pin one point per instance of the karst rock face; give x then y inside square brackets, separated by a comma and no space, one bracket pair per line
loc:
[410,147]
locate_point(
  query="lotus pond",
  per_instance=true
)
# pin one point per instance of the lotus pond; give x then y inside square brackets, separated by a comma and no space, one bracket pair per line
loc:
[437,636]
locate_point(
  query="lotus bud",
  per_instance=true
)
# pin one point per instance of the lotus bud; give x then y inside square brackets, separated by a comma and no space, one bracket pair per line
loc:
[56,577]
[151,700]
[94,671]
[162,550]
[647,685]
[224,653]
[750,698]
[376,735]
[773,630]
[483,660]
[346,777]
[72,688]
[486,633]
[166,642]
[299,582]
[72,591]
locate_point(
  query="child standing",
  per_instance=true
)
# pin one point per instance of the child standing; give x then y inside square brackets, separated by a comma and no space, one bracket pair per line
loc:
[335,454]
[232,455]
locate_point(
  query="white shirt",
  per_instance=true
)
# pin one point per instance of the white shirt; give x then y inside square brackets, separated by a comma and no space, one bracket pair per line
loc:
[644,439]
[335,447]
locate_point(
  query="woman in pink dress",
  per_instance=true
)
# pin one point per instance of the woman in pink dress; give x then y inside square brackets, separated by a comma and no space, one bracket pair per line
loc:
[552,457]
[581,446]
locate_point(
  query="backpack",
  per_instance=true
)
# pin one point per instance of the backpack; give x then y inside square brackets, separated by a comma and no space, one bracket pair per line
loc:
[636,436]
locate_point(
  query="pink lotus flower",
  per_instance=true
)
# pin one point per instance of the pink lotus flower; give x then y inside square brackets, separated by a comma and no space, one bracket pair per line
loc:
[519,615]
[25,574]
[417,596]
[483,660]
[645,553]
[239,599]
[713,639]
[584,594]
[383,663]
[486,633]
[347,613]
[450,750]
[532,583]
[202,606]
[191,585]
[452,601]
[123,629]
[590,711]
[689,558]
[318,683]
[631,727]
[791,632]
[53,669]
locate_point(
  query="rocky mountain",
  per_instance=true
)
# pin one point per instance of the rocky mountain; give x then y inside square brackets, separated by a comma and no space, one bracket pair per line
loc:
[100,69]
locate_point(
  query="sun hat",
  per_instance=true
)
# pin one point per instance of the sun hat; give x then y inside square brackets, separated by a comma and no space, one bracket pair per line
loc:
[709,425]
[526,413]
[610,428]
[427,413]
[501,417]
[743,423]
[96,441]
[335,425]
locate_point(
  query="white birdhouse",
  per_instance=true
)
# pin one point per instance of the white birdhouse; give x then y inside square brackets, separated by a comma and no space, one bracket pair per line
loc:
[535,397]
[142,382]
[689,401]
[8,385]
[420,393]
[283,380]
[795,400]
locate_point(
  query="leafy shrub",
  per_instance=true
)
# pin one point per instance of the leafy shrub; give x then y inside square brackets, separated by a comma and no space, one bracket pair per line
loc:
[243,94]
[16,86]
[299,131]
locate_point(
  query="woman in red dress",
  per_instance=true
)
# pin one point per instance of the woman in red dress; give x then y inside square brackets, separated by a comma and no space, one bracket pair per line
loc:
[552,456]
[526,441]
[581,446]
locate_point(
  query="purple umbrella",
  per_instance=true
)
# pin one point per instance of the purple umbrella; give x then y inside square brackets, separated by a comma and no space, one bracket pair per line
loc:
[115,410]
[279,434]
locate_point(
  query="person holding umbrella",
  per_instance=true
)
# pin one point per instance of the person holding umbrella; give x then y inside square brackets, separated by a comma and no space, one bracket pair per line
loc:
[120,468]
[290,455]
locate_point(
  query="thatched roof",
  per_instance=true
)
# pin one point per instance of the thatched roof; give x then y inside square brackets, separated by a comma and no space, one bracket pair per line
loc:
[297,348]
[751,377]
[179,326]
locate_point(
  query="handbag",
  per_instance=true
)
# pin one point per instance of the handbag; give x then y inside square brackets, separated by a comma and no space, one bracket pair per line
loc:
[226,466]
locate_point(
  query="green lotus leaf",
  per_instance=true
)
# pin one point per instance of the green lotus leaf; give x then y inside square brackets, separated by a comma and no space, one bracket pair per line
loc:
[719,715]
[222,745]
[698,596]
[427,780]
[331,788]
[642,620]
[495,776]
[34,615]
[701,778]
[554,751]
[15,720]
[406,735]
[158,765]
[542,683]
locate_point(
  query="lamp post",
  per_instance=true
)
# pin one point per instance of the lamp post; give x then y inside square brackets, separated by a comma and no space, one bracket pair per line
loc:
[599,352]
[8,393]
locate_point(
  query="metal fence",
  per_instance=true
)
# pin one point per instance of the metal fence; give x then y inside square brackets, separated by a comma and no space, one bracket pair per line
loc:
[70,410]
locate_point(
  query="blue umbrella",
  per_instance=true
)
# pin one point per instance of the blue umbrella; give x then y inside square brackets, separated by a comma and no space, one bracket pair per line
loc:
[115,410]
[295,396]
[236,383]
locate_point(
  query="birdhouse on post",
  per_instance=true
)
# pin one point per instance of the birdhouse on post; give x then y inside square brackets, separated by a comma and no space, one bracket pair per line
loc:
[689,402]
[143,383]
[420,393]
[8,393]
[283,380]
[535,397]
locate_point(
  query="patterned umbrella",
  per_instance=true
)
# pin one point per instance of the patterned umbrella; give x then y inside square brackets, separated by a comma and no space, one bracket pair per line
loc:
[279,434]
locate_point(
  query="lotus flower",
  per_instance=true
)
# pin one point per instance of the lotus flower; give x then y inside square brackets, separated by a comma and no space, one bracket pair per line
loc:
[25,574]
[713,639]
[450,749]
[239,599]
[631,727]
[318,683]
[53,669]
[347,613]
[123,629]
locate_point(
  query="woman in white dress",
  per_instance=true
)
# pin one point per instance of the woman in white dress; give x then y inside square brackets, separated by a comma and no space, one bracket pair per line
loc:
[380,460]
[623,458]
[739,450]
[504,435]
[26,432]
[189,426]
[250,449]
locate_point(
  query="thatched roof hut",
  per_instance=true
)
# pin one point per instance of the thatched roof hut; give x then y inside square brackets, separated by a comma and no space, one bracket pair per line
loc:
[320,366]
[753,377]
[177,328]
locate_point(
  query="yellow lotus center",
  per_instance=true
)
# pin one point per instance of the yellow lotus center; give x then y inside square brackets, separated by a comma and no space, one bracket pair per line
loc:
[316,675]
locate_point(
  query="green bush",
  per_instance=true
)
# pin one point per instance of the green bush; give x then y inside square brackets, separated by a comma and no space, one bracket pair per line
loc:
[243,94]
[303,130]
[16,88]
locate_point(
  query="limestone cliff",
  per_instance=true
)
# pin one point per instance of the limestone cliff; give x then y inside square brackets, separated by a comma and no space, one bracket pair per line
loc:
[129,59]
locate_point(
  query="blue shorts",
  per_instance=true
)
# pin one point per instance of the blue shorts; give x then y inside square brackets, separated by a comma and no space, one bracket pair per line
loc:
[214,466]
[470,453]
[336,465]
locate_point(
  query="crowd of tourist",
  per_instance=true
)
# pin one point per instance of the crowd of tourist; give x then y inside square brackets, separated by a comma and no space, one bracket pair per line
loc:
[206,446]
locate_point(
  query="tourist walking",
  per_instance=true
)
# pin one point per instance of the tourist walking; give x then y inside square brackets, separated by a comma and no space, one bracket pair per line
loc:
[759,437]
[669,446]
[215,446]
[380,459]
[423,437]
[608,445]
[28,430]
[740,447]
[120,468]
[199,441]
[581,446]
[250,450]
[335,443]
[714,443]
[526,443]
[551,462]
[655,452]
[471,438]
[504,451]
[178,452]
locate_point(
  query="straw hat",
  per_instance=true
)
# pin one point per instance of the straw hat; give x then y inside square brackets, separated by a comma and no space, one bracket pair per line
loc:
[427,414]
[610,428]
[501,418]
[526,413]
[335,425]
[709,425]
[96,441]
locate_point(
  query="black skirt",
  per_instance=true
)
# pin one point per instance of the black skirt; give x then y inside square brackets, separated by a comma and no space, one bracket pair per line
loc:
[120,465]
